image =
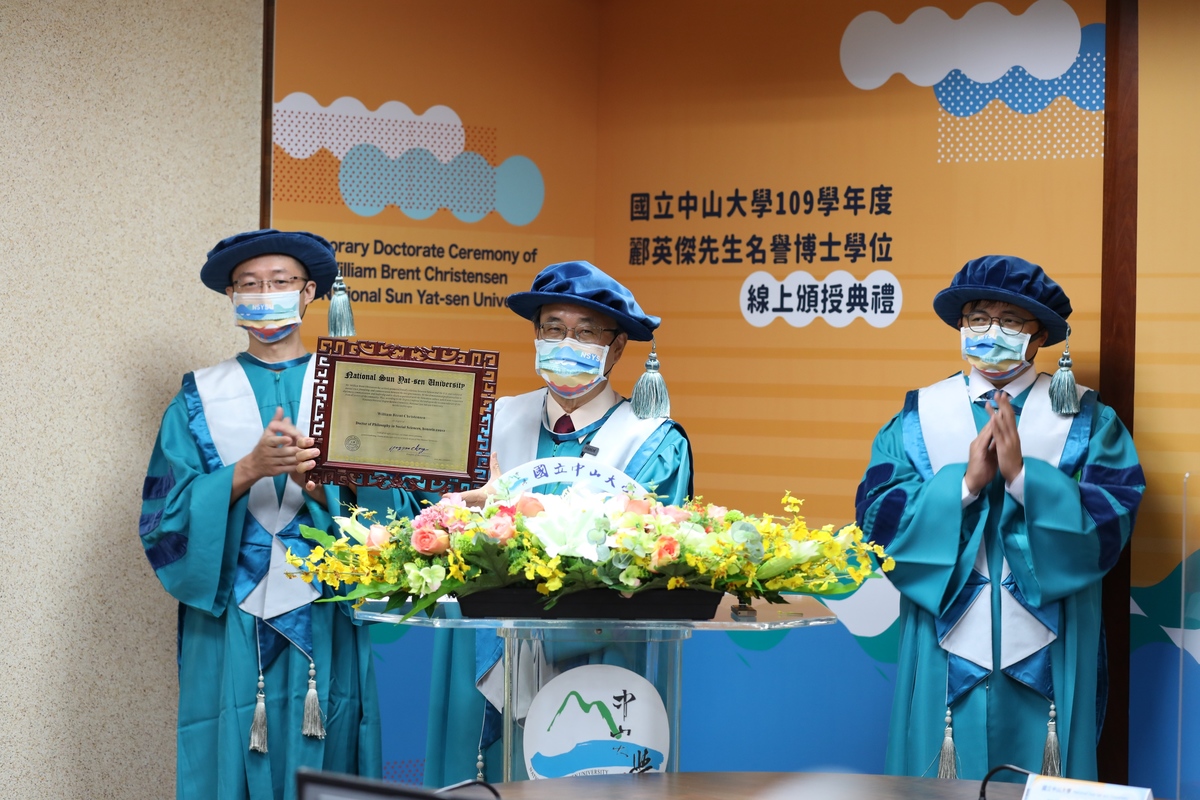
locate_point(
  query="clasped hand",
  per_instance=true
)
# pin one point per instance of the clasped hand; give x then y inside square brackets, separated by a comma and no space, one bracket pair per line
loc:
[997,447]
[283,448]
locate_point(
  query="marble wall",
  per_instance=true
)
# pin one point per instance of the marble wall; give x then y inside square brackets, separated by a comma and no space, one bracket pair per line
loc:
[130,138]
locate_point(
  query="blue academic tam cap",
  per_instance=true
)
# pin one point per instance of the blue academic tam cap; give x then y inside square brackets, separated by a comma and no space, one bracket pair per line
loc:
[1012,280]
[316,254]
[582,284]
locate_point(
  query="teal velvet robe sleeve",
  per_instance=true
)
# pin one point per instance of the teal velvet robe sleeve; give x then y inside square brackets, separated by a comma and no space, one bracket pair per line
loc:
[1058,544]
[190,532]
[1072,528]
[921,523]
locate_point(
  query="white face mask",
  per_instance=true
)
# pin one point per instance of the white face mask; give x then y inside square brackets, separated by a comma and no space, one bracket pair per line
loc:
[569,367]
[997,355]
[267,316]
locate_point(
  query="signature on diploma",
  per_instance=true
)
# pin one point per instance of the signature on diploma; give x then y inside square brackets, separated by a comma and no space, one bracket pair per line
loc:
[418,449]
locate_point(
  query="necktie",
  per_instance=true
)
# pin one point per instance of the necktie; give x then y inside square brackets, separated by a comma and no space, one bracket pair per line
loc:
[564,424]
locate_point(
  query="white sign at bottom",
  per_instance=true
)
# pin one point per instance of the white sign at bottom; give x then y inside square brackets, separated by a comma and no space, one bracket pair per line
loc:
[1040,787]
[596,720]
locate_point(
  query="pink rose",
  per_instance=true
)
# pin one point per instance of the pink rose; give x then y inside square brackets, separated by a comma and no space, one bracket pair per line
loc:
[717,513]
[666,551]
[430,541]
[617,504]
[676,513]
[500,528]
[377,536]
[529,506]
[638,506]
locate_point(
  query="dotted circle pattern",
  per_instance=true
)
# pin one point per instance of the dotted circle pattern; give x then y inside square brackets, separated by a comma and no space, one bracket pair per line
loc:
[417,182]
[305,180]
[302,133]
[315,179]
[1062,130]
[1083,83]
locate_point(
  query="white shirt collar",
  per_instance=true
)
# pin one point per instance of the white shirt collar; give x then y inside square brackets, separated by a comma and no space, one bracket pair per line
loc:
[587,414]
[978,385]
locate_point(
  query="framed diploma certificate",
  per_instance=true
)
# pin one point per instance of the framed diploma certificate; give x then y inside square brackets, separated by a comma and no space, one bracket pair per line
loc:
[392,416]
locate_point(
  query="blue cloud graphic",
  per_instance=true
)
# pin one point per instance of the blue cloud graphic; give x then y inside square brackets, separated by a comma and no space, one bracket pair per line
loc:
[419,184]
[1083,83]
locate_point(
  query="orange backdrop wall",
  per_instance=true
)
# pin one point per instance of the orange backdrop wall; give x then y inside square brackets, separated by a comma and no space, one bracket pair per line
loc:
[617,103]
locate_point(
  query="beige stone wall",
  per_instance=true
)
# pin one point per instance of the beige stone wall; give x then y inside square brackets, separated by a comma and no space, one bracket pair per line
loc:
[130,136]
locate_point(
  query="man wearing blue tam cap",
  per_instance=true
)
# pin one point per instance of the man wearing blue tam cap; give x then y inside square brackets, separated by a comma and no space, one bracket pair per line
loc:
[582,320]
[1004,496]
[222,501]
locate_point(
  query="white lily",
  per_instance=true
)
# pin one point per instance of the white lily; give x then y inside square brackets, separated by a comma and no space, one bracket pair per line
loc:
[565,526]
[353,528]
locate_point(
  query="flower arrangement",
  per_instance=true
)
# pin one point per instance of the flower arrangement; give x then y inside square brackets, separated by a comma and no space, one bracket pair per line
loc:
[579,540]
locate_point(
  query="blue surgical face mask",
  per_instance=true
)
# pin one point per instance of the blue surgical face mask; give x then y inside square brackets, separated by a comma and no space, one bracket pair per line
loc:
[267,316]
[998,355]
[569,367]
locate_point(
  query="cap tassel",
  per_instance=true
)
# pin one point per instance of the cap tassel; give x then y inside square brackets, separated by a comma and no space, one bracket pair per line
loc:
[258,728]
[313,726]
[341,318]
[947,766]
[1052,755]
[1064,398]
[650,398]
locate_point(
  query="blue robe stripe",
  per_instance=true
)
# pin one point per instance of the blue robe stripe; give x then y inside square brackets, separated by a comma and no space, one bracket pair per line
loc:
[914,440]
[1125,484]
[971,589]
[198,425]
[1034,671]
[1108,524]
[648,448]
[295,627]
[254,557]
[888,515]
[1075,449]
[691,483]
[489,649]
[167,550]
[961,677]
[156,488]
[1047,614]
[148,522]
[875,477]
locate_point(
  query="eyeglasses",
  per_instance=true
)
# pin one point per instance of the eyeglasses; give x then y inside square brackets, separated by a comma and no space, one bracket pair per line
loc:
[278,284]
[553,332]
[979,322]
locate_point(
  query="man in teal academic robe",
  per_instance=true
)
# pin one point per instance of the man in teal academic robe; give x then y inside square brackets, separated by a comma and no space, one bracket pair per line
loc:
[222,501]
[582,321]
[1004,497]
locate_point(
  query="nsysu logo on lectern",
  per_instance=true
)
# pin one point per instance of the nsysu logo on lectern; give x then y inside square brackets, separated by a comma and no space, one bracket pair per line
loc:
[596,720]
